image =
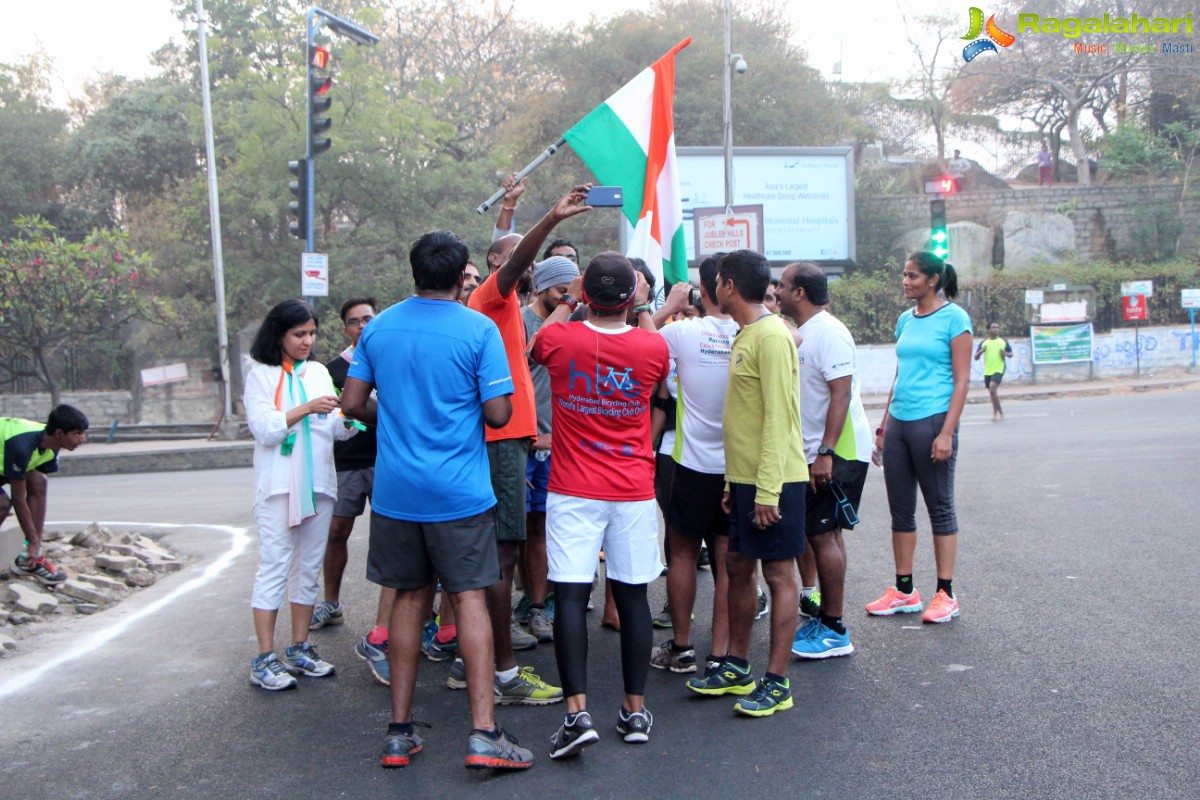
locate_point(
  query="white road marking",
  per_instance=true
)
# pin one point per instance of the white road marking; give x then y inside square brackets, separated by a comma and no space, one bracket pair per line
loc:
[239,539]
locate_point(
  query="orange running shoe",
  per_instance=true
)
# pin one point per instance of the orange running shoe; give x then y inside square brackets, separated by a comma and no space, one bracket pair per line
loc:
[893,602]
[942,608]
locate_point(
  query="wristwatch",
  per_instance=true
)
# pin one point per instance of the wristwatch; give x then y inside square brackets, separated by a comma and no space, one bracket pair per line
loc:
[571,302]
[824,451]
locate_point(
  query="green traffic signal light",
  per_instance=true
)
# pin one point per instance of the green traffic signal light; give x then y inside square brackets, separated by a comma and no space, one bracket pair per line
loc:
[939,236]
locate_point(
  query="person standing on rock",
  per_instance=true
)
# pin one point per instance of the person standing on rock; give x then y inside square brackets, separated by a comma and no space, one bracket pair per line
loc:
[30,452]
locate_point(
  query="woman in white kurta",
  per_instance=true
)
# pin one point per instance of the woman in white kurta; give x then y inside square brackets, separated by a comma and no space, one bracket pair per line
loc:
[292,410]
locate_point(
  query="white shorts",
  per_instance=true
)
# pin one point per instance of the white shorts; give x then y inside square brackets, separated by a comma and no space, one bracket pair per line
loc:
[578,528]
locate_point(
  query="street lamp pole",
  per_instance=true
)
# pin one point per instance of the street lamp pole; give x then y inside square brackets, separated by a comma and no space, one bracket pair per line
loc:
[728,126]
[214,222]
[733,62]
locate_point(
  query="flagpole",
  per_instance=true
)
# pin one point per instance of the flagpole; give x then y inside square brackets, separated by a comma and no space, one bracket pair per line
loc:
[537,162]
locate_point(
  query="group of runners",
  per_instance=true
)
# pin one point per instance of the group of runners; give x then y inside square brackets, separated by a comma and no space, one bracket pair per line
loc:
[515,433]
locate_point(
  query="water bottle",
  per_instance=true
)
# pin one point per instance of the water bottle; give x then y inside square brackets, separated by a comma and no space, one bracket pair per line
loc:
[541,455]
[877,457]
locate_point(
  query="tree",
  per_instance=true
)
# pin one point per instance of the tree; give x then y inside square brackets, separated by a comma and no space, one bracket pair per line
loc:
[32,134]
[780,101]
[54,292]
[934,81]
[1038,78]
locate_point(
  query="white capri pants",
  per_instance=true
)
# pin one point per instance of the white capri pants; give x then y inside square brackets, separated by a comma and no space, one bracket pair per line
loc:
[289,558]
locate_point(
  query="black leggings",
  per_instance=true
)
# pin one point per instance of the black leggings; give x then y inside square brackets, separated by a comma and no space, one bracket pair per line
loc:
[571,638]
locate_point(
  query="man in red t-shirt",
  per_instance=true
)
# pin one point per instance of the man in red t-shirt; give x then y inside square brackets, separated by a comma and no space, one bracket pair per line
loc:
[508,447]
[601,491]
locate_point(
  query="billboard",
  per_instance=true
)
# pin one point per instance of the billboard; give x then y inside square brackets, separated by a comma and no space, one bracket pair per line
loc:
[806,196]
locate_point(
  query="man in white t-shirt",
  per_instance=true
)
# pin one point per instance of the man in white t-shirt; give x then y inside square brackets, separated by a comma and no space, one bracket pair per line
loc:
[837,445]
[700,349]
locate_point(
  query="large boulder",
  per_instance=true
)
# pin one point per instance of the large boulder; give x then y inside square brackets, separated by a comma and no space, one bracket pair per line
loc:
[970,247]
[1037,238]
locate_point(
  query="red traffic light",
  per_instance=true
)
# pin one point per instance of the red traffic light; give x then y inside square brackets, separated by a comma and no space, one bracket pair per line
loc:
[943,185]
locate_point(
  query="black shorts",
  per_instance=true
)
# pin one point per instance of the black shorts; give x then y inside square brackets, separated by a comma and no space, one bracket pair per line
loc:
[664,472]
[783,540]
[693,505]
[407,555]
[988,380]
[822,514]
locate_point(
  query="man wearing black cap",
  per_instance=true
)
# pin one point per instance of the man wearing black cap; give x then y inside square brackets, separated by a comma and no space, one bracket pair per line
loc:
[551,278]
[601,493]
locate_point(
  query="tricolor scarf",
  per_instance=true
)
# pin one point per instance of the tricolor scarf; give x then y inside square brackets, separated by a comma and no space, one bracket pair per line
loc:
[302,502]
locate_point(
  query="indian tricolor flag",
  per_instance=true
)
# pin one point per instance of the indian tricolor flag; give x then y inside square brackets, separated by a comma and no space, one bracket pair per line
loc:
[629,141]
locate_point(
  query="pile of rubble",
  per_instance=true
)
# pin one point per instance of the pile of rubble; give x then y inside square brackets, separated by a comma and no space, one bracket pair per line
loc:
[102,569]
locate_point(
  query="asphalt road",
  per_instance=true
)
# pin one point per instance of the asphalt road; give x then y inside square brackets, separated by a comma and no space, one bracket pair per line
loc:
[1070,674]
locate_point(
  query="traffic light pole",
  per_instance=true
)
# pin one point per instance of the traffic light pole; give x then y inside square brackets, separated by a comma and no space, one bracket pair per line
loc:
[356,34]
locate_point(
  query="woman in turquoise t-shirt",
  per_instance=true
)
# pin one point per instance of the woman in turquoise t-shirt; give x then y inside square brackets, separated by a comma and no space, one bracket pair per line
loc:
[919,437]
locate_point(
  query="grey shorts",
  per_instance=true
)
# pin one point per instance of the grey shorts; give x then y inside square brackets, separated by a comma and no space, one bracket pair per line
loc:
[507,459]
[408,555]
[908,464]
[354,490]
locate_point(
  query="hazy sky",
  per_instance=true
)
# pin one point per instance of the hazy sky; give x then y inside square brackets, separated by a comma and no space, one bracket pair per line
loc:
[86,38]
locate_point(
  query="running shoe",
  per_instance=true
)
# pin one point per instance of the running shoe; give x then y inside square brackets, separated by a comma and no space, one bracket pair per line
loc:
[540,625]
[40,569]
[702,560]
[726,679]
[942,608]
[635,726]
[893,602]
[663,618]
[526,689]
[573,735]
[268,673]
[764,605]
[520,639]
[398,748]
[498,750]
[667,657]
[520,613]
[457,677]
[810,605]
[303,659]
[818,640]
[376,656]
[326,613]
[767,698]
[440,651]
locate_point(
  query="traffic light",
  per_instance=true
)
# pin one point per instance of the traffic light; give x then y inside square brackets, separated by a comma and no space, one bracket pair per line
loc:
[299,207]
[318,101]
[939,236]
[943,185]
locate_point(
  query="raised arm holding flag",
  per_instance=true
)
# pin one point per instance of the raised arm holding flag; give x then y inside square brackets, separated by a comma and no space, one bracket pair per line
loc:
[629,141]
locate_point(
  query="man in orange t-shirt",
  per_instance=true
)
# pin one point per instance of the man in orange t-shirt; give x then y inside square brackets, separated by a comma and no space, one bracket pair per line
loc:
[508,448]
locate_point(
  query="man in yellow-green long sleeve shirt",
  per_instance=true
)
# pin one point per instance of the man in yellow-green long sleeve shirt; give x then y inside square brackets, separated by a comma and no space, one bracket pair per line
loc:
[767,480]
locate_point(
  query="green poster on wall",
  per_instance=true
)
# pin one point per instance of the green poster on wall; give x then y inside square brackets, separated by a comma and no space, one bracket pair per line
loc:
[1059,344]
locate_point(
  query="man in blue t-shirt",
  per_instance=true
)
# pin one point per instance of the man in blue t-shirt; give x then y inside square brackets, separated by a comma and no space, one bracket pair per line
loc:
[441,375]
